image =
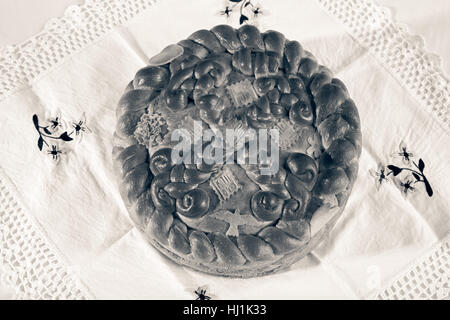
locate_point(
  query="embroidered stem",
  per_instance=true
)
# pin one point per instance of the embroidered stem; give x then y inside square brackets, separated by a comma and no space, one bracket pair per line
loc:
[418,175]
[47,134]
[243,13]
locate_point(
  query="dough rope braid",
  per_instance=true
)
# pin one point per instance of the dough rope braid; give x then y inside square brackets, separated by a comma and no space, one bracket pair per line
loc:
[257,79]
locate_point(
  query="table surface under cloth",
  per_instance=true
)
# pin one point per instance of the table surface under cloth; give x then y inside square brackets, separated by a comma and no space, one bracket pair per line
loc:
[65,233]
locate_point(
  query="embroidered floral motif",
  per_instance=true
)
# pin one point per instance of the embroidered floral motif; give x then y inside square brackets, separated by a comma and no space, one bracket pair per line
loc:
[417,177]
[47,133]
[55,152]
[247,10]
[201,294]
[407,184]
[56,123]
[380,175]
[80,127]
[226,12]
[55,129]
[403,153]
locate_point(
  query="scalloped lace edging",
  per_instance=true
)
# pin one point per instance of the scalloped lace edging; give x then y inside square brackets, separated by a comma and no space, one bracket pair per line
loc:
[29,267]
[427,279]
[61,37]
[404,55]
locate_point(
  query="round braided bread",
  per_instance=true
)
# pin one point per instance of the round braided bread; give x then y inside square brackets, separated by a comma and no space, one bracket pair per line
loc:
[227,77]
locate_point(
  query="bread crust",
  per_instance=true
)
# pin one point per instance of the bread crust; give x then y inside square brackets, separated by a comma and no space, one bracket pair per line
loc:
[231,220]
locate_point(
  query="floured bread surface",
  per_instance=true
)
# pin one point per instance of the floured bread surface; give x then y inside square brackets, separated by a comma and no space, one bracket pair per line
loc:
[227,218]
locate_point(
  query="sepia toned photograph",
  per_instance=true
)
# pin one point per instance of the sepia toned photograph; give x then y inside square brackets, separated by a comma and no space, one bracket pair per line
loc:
[237,151]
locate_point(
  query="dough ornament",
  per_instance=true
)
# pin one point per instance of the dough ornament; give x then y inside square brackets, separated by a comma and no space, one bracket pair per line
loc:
[223,217]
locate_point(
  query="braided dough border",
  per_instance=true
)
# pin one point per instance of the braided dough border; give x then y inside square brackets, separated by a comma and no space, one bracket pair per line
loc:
[337,122]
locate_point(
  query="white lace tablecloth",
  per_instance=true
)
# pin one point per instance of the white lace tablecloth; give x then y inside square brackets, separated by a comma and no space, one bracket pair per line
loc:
[64,232]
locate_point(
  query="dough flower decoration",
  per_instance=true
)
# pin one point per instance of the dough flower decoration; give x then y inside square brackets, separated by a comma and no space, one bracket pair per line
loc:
[413,173]
[247,10]
[151,129]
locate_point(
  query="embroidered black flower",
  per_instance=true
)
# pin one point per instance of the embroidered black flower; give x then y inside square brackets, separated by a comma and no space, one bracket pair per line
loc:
[416,170]
[45,133]
[257,11]
[226,12]
[407,187]
[80,127]
[380,175]
[56,122]
[201,294]
[55,152]
[53,130]
[418,174]
[404,153]
[246,10]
